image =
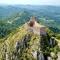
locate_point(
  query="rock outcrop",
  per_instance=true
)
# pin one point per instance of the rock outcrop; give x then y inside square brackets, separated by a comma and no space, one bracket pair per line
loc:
[29,42]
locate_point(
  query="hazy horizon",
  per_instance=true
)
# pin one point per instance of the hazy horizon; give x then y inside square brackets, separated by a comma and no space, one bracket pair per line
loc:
[30,2]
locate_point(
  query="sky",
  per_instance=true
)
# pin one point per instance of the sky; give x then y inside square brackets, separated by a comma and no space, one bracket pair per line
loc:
[30,2]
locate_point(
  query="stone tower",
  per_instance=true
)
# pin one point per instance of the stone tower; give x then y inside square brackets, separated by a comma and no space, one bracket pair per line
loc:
[32,21]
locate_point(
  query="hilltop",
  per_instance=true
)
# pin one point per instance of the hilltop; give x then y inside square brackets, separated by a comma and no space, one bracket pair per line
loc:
[27,41]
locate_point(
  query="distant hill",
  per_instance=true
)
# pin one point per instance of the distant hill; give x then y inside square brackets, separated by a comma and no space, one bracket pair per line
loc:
[47,11]
[16,15]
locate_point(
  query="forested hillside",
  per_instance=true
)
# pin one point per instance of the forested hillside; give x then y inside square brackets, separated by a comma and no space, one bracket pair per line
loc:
[24,39]
[17,15]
